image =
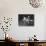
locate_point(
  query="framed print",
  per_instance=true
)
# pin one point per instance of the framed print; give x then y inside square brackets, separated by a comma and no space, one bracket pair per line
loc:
[26,19]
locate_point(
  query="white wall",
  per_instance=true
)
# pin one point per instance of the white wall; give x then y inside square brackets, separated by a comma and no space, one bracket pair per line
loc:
[12,8]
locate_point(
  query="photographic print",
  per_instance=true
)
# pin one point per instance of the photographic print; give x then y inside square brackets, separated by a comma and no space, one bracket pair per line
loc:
[26,19]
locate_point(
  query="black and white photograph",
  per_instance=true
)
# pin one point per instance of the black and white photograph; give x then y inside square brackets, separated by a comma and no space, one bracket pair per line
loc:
[26,19]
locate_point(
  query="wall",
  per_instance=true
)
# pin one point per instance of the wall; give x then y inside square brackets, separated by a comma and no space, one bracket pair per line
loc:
[11,8]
